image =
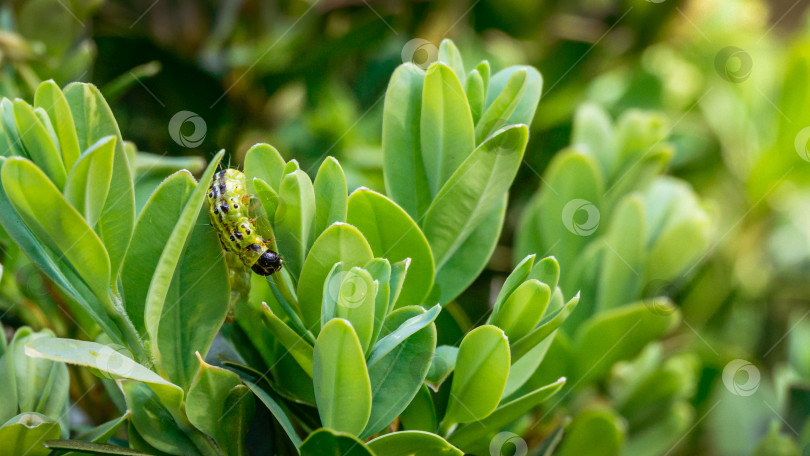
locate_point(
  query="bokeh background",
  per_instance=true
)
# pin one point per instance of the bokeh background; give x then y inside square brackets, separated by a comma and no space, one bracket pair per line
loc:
[731,76]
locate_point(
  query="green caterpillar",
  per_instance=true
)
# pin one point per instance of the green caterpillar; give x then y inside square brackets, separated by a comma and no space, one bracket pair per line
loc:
[228,201]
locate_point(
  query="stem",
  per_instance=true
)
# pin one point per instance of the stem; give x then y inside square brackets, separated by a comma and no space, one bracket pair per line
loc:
[133,340]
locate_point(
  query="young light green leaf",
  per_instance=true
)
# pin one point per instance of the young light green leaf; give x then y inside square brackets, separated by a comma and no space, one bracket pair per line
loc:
[515,278]
[620,280]
[12,144]
[405,177]
[342,388]
[523,309]
[449,55]
[330,195]
[476,94]
[550,324]
[476,188]
[413,443]
[501,108]
[294,220]
[441,366]
[388,343]
[524,111]
[355,302]
[38,143]
[171,255]
[264,162]
[380,270]
[446,126]
[339,243]
[482,367]
[88,183]
[392,234]
[50,98]
[547,271]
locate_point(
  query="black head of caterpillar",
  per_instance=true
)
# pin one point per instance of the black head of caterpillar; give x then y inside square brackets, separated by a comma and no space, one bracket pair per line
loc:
[228,201]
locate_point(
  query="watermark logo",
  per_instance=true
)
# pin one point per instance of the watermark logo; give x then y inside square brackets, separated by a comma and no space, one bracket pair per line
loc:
[178,129]
[572,217]
[420,52]
[741,377]
[733,64]
[505,441]
[348,289]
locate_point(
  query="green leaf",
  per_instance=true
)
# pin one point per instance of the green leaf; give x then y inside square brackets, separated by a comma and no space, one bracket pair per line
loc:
[266,210]
[340,243]
[469,437]
[24,434]
[325,442]
[56,223]
[593,129]
[420,415]
[547,271]
[38,143]
[80,446]
[476,188]
[524,111]
[153,421]
[392,234]
[205,402]
[277,410]
[12,144]
[593,425]
[330,195]
[195,307]
[50,98]
[446,125]
[94,120]
[483,69]
[620,280]
[105,359]
[476,93]
[482,367]
[294,220]
[171,255]
[501,108]
[518,275]
[523,309]
[355,302]
[239,408]
[51,262]
[105,431]
[471,257]
[342,388]
[441,366]
[152,231]
[405,177]
[399,271]
[264,162]
[380,270]
[413,324]
[449,55]
[88,183]
[296,346]
[577,189]
[41,385]
[620,334]
[413,443]
[550,324]
[397,376]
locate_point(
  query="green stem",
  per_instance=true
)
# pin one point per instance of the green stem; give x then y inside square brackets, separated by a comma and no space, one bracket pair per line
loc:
[131,337]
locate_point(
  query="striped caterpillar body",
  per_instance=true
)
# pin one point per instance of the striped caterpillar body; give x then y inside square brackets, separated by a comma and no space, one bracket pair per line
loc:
[228,202]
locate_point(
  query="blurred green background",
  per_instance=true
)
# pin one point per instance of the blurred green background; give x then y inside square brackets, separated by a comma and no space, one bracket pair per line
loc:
[731,76]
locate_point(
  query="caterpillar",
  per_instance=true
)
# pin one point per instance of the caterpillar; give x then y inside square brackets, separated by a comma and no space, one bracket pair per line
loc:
[228,201]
